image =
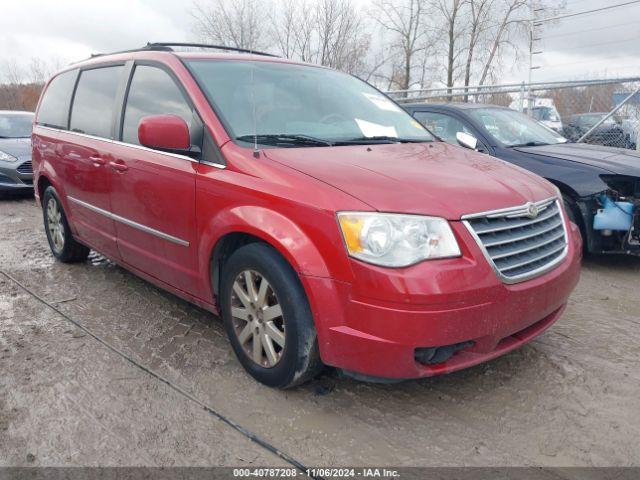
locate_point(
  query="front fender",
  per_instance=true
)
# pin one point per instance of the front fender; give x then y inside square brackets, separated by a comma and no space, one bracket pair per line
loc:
[291,239]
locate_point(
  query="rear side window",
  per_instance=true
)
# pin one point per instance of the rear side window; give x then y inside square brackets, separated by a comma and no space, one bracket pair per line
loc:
[152,92]
[94,101]
[54,107]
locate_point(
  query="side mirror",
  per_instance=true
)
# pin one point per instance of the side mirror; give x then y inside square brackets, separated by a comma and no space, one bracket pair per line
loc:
[467,141]
[169,133]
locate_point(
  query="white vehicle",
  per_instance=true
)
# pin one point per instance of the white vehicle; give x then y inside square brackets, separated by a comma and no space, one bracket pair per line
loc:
[631,128]
[543,110]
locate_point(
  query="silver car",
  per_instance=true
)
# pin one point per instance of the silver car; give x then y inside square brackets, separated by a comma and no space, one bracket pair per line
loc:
[16,172]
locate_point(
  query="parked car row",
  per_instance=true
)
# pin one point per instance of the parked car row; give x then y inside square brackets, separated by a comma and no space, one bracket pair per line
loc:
[608,133]
[615,131]
[600,186]
[324,223]
[16,172]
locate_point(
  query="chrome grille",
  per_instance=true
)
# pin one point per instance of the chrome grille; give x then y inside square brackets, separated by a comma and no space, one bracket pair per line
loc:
[521,242]
[26,167]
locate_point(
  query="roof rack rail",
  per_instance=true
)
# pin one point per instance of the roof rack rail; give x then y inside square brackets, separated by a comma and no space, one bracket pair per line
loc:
[164,46]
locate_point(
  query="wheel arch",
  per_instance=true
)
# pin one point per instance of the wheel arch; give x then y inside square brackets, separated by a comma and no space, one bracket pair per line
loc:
[47,176]
[223,249]
[239,226]
[577,206]
[43,183]
[565,189]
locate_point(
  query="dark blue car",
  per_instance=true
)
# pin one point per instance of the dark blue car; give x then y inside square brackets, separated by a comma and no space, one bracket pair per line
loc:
[600,185]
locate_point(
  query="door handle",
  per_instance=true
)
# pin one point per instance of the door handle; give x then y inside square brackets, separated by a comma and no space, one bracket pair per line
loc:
[118,167]
[97,160]
[72,156]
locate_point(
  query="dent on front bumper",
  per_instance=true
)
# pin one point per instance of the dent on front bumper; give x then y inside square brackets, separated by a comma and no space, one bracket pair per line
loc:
[374,326]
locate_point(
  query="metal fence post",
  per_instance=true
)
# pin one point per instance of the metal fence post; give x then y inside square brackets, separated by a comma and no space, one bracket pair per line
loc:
[567,107]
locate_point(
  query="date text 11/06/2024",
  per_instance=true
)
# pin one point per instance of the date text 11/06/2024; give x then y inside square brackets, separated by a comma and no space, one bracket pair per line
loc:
[317,472]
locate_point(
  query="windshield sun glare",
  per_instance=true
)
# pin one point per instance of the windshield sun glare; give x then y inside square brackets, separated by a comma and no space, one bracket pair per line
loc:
[276,100]
[512,128]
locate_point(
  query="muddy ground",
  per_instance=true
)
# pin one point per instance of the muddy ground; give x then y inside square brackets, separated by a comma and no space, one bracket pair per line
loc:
[571,397]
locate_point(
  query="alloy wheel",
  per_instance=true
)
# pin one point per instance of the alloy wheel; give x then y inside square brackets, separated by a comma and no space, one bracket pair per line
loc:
[55,225]
[257,316]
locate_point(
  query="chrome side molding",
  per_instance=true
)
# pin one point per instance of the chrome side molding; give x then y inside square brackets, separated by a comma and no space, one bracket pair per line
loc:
[130,223]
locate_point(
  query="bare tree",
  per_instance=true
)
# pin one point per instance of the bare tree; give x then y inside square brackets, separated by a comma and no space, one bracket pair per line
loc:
[234,23]
[21,84]
[474,36]
[285,26]
[477,35]
[305,32]
[39,70]
[451,11]
[12,72]
[327,32]
[478,23]
[510,17]
[342,41]
[12,78]
[406,22]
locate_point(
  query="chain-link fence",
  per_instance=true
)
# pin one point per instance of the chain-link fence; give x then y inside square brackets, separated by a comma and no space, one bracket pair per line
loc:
[602,112]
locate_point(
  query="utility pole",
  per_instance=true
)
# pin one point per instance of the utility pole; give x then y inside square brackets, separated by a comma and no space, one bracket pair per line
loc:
[531,27]
[532,40]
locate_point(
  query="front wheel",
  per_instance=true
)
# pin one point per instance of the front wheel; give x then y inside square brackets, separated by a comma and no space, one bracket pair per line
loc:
[63,246]
[267,317]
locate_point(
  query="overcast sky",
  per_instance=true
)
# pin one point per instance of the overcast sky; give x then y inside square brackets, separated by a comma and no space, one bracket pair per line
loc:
[594,45]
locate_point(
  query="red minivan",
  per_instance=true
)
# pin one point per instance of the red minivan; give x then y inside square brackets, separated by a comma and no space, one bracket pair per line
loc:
[323,223]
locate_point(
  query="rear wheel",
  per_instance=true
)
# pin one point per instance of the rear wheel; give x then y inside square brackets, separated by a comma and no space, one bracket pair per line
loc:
[267,317]
[61,242]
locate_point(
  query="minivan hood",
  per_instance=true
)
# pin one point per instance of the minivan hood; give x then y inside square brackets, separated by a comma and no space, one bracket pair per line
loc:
[614,160]
[18,147]
[420,178]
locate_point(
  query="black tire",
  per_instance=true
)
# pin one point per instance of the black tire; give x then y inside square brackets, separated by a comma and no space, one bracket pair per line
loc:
[300,359]
[68,250]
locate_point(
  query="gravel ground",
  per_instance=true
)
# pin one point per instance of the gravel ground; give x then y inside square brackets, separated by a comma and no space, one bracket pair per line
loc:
[569,398]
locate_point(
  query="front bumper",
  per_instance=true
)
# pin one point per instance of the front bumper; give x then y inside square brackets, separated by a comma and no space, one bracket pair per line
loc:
[374,326]
[16,176]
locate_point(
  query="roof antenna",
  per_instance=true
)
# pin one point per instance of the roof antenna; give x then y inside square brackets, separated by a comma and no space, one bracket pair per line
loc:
[256,152]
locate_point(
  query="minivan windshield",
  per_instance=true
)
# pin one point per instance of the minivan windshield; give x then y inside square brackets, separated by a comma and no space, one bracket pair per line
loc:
[299,105]
[15,125]
[515,129]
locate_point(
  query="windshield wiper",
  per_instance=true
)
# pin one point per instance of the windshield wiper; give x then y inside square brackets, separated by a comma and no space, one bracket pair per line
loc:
[285,139]
[379,139]
[529,144]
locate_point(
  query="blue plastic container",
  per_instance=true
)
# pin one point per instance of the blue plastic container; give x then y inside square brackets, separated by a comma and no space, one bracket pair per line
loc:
[613,215]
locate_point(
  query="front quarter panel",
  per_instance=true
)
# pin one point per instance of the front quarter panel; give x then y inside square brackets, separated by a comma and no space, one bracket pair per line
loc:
[287,209]
[583,180]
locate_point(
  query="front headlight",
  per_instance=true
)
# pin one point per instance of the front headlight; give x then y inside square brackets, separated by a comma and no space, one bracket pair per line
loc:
[5,157]
[394,240]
